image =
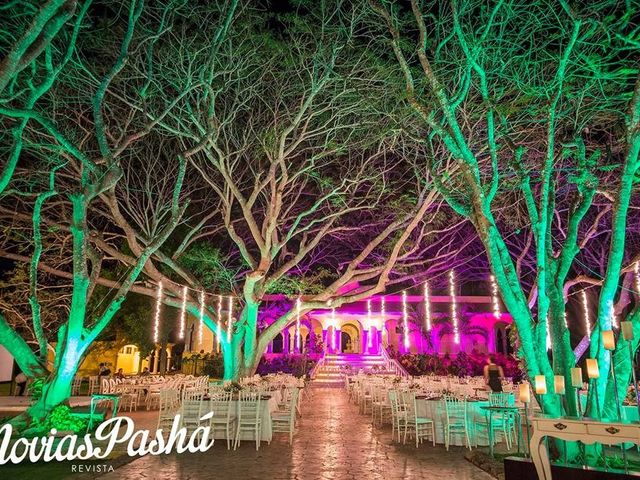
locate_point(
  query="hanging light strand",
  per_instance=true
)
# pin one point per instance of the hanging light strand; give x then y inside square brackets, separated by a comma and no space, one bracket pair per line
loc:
[219,322]
[156,320]
[636,271]
[201,323]
[454,310]
[298,324]
[585,308]
[405,320]
[333,329]
[229,318]
[383,317]
[370,334]
[427,307]
[183,311]
[494,297]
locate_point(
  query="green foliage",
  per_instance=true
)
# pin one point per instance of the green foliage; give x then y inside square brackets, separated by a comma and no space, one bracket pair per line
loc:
[311,283]
[35,389]
[210,266]
[62,419]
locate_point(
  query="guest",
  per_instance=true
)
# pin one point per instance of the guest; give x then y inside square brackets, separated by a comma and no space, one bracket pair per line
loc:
[104,371]
[493,375]
[119,374]
[145,372]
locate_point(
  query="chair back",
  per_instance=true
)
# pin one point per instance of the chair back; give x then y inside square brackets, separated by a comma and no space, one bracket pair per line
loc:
[501,399]
[191,412]
[455,409]
[248,406]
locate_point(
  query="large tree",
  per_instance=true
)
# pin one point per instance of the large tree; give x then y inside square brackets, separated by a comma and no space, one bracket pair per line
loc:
[75,118]
[300,171]
[530,106]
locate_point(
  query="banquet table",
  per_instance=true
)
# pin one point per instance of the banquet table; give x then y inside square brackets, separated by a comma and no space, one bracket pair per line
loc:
[435,410]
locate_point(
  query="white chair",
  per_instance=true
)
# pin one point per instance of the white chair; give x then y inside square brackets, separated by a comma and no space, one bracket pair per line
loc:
[380,406]
[249,420]
[424,427]
[456,419]
[94,384]
[284,420]
[504,421]
[191,411]
[224,415]
[169,406]
[398,415]
[75,387]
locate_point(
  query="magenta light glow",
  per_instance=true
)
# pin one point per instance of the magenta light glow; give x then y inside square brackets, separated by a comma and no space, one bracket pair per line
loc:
[405,320]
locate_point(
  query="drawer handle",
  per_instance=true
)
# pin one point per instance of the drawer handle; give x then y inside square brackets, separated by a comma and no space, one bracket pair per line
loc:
[612,430]
[560,426]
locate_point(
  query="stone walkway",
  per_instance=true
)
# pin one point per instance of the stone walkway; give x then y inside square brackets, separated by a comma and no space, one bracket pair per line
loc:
[332,442]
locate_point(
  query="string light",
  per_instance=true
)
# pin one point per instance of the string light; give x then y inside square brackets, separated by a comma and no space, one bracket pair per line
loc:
[494,297]
[636,270]
[427,307]
[585,308]
[564,317]
[156,322]
[370,334]
[201,324]
[333,329]
[229,318]
[454,312]
[218,323]
[298,324]
[183,310]
[383,317]
[405,320]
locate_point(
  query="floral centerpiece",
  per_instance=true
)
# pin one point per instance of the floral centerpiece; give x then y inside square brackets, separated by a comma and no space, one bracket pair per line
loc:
[233,387]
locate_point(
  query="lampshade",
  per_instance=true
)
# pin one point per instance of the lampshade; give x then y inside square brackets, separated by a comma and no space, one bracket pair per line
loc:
[592,368]
[608,340]
[627,330]
[558,384]
[541,384]
[523,392]
[576,377]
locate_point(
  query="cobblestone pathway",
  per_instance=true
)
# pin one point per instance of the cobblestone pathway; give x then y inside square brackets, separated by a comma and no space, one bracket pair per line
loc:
[332,442]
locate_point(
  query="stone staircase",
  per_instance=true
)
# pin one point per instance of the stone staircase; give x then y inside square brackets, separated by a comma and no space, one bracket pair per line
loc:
[329,374]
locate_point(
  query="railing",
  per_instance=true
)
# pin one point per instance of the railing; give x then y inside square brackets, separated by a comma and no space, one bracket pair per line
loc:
[319,363]
[393,365]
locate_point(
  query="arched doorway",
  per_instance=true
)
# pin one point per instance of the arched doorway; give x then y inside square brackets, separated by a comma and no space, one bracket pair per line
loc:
[350,339]
[278,344]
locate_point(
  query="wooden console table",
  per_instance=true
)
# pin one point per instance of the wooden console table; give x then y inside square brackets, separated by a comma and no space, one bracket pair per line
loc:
[583,430]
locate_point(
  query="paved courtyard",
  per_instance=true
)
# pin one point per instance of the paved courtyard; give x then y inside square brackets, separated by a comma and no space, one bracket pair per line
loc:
[332,442]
